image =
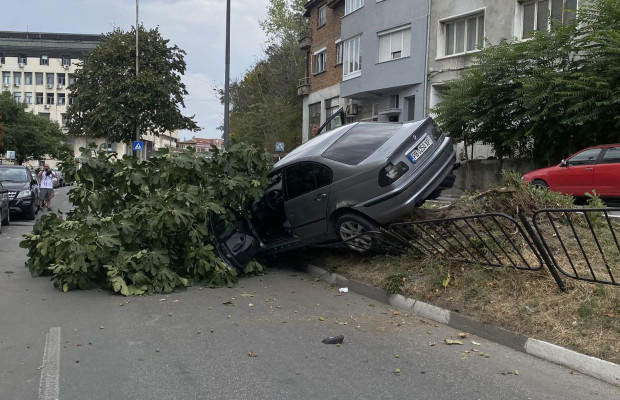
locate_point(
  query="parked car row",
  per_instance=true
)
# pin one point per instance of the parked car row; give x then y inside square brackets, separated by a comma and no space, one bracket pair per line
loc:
[21,187]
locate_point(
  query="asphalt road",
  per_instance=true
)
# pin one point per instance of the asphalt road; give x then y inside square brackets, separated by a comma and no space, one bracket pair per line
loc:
[197,344]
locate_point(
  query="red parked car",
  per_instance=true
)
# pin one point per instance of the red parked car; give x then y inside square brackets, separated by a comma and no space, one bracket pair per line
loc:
[595,168]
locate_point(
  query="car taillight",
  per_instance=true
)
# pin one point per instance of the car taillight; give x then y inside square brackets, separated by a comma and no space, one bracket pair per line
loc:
[391,173]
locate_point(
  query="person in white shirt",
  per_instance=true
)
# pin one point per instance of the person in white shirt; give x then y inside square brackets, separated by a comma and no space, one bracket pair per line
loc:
[46,189]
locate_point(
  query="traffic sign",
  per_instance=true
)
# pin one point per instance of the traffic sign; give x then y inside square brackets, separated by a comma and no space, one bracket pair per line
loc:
[138,145]
[10,155]
[280,147]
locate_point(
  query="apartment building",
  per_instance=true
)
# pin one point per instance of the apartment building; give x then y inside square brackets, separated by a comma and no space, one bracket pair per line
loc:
[200,144]
[321,86]
[38,67]
[460,28]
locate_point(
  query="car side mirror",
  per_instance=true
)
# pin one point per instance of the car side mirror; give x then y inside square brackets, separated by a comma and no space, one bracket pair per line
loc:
[564,163]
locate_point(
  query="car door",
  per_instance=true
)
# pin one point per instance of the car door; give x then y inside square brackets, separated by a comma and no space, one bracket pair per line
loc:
[575,176]
[4,202]
[307,186]
[606,174]
[236,242]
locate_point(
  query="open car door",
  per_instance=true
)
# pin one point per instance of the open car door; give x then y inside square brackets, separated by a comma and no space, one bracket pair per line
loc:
[334,121]
[235,239]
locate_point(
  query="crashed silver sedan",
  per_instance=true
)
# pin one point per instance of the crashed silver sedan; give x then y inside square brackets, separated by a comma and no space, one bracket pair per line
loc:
[340,184]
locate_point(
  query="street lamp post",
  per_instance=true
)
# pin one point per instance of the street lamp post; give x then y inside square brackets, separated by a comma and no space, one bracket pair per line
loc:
[137,134]
[227,77]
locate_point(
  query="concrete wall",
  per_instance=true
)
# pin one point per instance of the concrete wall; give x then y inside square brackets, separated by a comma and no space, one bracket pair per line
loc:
[480,174]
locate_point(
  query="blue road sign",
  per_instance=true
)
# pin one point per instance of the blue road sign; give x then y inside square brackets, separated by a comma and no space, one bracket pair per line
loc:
[280,146]
[138,145]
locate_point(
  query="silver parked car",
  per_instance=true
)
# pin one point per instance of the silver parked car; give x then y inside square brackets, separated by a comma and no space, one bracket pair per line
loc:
[340,184]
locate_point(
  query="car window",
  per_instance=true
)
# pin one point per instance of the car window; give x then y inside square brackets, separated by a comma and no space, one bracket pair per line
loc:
[359,142]
[584,158]
[612,155]
[305,177]
[13,175]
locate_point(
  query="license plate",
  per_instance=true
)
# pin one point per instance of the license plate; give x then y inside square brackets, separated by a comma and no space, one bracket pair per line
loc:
[426,144]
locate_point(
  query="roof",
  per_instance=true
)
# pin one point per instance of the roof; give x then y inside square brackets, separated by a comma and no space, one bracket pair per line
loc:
[33,44]
[313,3]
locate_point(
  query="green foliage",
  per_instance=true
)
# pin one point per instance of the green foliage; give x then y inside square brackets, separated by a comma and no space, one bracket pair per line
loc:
[143,226]
[29,135]
[111,102]
[547,96]
[394,283]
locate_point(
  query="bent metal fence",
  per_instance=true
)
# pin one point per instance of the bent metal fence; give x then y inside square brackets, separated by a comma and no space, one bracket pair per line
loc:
[581,244]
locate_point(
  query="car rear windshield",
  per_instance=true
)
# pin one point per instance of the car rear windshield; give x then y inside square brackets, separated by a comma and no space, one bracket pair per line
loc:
[359,142]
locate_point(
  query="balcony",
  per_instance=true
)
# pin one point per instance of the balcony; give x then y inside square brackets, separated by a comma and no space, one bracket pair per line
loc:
[303,88]
[305,42]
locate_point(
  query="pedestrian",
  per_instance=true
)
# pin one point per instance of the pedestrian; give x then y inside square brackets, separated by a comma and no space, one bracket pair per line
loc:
[46,189]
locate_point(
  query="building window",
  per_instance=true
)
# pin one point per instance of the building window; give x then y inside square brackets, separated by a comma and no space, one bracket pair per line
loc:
[463,35]
[39,98]
[394,101]
[61,79]
[61,99]
[322,15]
[17,96]
[71,79]
[17,78]
[70,101]
[352,58]
[50,79]
[314,116]
[535,14]
[22,59]
[352,5]
[320,61]
[28,78]
[44,60]
[50,98]
[394,44]
[111,147]
[66,61]
[38,78]
[44,115]
[28,99]
[6,78]
[338,53]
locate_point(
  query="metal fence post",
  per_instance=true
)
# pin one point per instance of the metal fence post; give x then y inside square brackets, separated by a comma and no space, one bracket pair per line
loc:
[543,252]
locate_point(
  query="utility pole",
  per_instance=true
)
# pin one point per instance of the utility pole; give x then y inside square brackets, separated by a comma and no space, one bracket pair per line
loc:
[137,134]
[227,77]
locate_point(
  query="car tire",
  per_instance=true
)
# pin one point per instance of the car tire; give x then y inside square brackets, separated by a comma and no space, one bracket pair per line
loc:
[539,183]
[32,211]
[350,225]
[7,220]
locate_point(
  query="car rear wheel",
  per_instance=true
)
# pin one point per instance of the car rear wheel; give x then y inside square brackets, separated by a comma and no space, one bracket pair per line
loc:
[539,183]
[351,225]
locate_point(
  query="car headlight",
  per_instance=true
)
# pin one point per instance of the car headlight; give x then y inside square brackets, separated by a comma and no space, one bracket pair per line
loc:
[24,194]
[391,173]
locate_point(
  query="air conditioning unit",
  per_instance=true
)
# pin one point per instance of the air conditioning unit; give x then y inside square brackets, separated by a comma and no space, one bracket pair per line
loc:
[47,106]
[352,109]
[6,84]
[16,84]
[65,66]
[50,86]
[22,65]
[60,86]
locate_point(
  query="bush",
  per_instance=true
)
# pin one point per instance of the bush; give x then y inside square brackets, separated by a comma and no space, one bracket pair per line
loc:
[143,226]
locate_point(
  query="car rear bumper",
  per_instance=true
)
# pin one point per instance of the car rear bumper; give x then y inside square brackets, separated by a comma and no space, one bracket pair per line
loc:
[393,205]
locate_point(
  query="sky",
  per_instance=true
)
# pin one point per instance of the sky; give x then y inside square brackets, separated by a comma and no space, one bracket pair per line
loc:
[196,26]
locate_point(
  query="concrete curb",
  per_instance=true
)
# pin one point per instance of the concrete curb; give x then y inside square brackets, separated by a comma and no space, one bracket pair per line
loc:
[597,368]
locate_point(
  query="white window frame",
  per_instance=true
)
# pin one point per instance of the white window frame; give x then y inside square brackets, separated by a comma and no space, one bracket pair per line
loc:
[405,45]
[322,15]
[352,6]
[319,61]
[338,51]
[44,60]
[352,58]
[521,16]
[442,48]
[28,99]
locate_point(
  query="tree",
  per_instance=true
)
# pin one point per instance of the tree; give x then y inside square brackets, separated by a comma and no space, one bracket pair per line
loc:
[265,107]
[548,96]
[111,102]
[30,136]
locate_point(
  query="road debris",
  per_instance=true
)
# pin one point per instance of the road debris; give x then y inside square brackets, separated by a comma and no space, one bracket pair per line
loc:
[452,341]
[334,340]
[343,290]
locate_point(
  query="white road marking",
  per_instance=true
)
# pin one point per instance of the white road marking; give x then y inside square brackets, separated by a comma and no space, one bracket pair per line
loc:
[50,374]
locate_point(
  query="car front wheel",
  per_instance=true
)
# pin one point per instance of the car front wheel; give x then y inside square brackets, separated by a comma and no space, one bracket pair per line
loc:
[539,183]
[351,226]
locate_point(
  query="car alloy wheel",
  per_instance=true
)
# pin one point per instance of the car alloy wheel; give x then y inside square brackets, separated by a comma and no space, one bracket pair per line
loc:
[540,184]
[351,226]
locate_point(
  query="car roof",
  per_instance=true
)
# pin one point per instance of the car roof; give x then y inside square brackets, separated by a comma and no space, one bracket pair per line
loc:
[313,148]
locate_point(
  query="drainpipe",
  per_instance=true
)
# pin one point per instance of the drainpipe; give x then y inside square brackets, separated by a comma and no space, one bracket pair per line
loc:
[428,37]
